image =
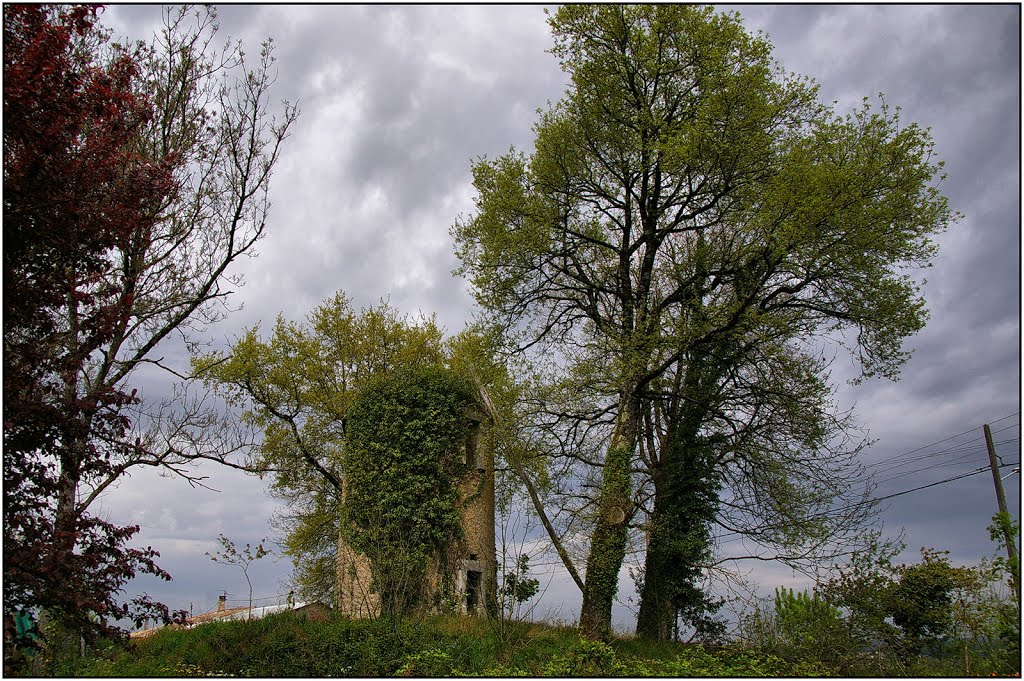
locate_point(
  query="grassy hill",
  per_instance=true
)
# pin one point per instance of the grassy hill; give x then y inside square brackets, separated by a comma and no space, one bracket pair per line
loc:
[291,646]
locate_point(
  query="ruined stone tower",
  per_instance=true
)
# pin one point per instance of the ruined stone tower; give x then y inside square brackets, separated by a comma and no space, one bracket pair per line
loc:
[475,577]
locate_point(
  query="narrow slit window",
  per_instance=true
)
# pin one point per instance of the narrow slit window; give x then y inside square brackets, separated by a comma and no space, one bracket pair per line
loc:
[469,446]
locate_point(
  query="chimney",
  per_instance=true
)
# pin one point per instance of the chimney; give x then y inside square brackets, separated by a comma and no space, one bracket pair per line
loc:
[221,600]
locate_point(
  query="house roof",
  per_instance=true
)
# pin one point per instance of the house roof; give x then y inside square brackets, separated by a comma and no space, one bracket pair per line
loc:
[227,614]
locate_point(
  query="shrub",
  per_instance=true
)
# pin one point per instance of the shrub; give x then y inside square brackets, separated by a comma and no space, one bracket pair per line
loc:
[585,658]
[433,662]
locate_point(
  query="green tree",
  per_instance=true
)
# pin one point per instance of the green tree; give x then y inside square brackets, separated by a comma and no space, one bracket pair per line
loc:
[517,587]
[984,625]
[921,600]
[800,627]
[862,589]
[686,191]
[902,607]
[229,555]
[296,388]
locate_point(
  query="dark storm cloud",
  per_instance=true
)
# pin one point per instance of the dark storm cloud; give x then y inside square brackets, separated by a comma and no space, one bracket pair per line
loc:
[396,101]
[446,102]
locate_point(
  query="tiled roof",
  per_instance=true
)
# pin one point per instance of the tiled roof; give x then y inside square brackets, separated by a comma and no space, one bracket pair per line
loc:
[206,617]
[239,613]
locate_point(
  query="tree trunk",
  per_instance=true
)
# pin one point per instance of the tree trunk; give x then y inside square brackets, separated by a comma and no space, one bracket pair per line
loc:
[608,542]
[684,505]
[657,611]
[685,501]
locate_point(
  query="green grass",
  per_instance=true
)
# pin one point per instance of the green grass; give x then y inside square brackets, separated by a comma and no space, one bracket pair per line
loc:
[289,646]
[285,645]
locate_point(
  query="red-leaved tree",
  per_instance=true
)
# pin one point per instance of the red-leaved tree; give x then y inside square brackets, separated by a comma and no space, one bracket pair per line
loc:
[133,178]
[74,193]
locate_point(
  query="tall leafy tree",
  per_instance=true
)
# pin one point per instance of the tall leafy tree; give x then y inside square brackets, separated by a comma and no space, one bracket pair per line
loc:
[135,176]
[297,385]
[74,191]
[686,191]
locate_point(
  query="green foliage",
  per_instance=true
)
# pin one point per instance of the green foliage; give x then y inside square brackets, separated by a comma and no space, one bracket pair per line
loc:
[429,663]
[983,634]
[800,627]
[799,613]
[697,662]
[296,387]
[861,589]
[286,645]
[920,602]
[402,461]
[876,618]
[281,645]
[1002,530]
[905,608]
[517,587]
[687,194]
[585,658]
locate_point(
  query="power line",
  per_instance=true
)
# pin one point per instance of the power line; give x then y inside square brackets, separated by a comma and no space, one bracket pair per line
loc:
[962,446]
[884,498]
[933,484]
[937,442]
[915,489]
[966,453]
[966,449]
[977,443]
[1014,425]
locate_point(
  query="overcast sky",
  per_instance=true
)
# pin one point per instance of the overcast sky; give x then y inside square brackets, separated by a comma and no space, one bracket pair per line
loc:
[397,101]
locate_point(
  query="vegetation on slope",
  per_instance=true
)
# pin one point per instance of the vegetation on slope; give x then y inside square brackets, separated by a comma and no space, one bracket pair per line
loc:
[286,645]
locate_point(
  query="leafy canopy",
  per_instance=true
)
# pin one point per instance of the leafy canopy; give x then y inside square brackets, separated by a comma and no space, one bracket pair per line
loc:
[686,196]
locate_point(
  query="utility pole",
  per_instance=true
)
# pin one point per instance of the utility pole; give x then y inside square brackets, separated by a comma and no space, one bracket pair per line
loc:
[1011,549]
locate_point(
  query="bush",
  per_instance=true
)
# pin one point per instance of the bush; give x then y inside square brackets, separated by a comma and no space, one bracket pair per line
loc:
[586,658]
[432,662]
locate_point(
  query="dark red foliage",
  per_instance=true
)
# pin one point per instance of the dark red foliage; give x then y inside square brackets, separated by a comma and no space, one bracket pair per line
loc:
[75,193]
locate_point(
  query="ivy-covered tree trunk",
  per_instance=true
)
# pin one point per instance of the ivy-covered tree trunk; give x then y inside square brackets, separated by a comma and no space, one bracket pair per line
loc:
[608,541]
[657,611]
[684,504]
[685,500]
